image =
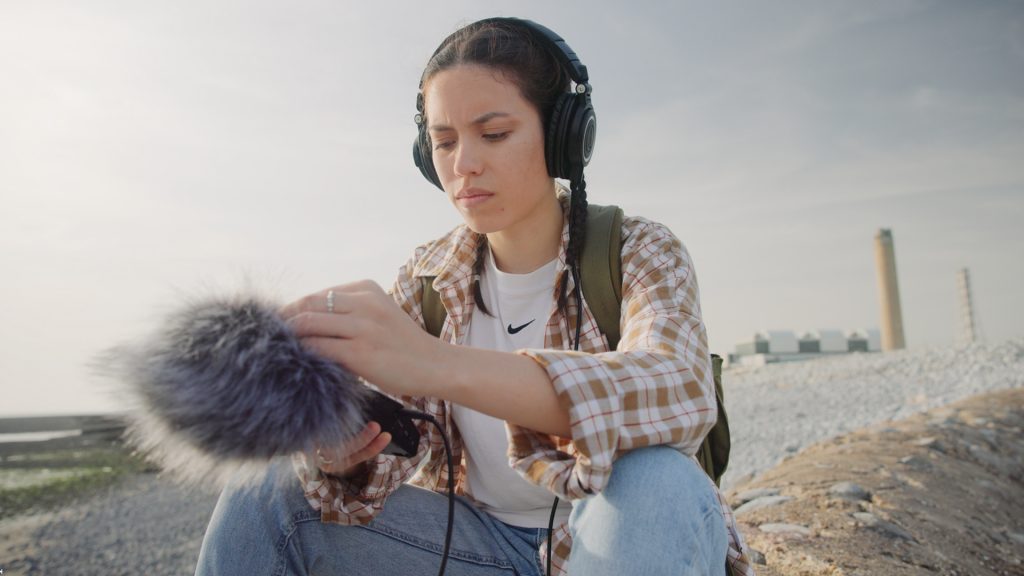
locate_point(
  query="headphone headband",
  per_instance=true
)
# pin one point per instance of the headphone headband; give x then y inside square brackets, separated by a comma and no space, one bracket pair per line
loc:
[558,47]
[561,50]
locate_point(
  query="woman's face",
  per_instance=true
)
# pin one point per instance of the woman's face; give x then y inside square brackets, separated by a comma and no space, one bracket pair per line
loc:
[488,148]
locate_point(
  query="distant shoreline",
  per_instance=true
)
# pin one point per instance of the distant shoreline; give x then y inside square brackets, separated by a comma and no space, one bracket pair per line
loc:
[59,422]
[58,432]
[4,418]
[7,438]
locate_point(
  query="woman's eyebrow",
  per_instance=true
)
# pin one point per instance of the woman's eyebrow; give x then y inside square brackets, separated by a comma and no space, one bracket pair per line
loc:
[482,119]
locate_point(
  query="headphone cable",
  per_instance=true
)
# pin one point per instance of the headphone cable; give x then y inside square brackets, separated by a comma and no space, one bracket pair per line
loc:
[551,524]
[451,482]
[575,346]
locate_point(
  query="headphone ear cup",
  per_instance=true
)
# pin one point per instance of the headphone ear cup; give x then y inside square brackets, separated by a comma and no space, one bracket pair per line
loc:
[571,136]
[424,159]
[581,137]
[554,143]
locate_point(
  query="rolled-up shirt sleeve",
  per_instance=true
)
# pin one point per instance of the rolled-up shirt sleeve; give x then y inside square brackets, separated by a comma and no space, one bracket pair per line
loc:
[655,389]
[359,499]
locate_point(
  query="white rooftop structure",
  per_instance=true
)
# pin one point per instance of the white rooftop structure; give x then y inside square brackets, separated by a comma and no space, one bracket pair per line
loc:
[784,345]
[833,341]
[873,336]
[781,341]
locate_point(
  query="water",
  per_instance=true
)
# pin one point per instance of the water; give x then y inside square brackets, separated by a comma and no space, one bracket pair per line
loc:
[37,436]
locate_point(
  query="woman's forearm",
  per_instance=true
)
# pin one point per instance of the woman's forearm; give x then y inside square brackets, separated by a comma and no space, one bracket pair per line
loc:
[504,385]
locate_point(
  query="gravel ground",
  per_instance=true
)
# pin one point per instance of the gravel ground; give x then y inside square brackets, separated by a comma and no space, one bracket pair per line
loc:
[146,525]
[777,410]
[141,525]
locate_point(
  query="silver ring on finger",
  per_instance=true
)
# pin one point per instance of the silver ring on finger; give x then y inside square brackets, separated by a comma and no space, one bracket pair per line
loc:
[320,457]
[330,301]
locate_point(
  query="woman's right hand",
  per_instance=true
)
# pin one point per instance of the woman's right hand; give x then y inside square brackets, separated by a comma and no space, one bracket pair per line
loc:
[344,460]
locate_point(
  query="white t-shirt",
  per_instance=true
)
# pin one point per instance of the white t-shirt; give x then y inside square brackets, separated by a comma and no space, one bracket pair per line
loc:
[521,305]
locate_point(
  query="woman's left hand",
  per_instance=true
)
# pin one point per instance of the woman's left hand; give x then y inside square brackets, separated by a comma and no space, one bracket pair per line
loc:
[369,334]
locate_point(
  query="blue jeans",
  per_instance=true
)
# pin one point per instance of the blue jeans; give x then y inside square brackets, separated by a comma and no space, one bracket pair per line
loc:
[657,516]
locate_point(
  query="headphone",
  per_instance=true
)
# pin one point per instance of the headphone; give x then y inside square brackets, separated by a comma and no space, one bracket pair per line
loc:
[570,134]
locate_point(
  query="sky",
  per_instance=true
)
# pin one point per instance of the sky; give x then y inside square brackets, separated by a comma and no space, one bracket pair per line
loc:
[153,151]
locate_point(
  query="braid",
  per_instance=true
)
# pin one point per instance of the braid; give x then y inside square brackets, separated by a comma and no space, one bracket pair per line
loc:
[577,234]
[478,268]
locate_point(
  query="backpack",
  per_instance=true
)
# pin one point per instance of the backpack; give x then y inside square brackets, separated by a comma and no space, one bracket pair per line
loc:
[600,269]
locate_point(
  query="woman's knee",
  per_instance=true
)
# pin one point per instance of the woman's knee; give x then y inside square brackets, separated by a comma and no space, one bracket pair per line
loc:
[273,495]
[665,482]
[659,501]
[658,473]
[255,512]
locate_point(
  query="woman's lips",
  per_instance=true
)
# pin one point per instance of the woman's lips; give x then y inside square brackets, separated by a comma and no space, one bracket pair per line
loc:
[469,198]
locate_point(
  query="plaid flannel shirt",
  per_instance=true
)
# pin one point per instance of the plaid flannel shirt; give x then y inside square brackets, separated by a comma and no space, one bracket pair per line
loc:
[655,389]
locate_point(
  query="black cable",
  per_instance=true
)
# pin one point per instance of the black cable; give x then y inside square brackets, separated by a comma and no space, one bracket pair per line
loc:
[451,482]
[551,524]
[575,346]
[579,305]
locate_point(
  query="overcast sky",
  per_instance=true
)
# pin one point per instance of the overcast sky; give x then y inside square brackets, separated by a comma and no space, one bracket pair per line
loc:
[153,150]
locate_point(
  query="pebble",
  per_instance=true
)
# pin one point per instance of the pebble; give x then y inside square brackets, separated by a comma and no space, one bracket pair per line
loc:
[762,502]
[781,528]
[915,462]
[888,528]
[990,436]
[866,518]
[748,495]
[849,491]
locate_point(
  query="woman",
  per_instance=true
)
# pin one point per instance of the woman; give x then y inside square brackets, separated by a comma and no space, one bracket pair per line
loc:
[611,433]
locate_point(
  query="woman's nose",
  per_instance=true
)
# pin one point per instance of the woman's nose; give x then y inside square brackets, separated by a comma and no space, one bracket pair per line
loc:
[468,161]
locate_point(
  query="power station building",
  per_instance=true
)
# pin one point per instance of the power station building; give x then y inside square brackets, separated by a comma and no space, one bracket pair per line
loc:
[768,346]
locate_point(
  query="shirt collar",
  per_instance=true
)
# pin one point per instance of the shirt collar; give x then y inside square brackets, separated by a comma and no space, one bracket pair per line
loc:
[456,269]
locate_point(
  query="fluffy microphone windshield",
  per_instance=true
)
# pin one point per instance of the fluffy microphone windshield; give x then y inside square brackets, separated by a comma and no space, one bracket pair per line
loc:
[225,383]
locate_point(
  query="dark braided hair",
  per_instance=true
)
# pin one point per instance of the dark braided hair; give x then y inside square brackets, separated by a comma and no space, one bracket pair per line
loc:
[508,48]
[577,235]
[478,269]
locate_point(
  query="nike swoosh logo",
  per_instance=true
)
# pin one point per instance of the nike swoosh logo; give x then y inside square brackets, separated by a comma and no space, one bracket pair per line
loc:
[512,330]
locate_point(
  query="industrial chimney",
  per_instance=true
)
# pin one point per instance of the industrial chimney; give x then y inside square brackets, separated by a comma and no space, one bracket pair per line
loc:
[888,292]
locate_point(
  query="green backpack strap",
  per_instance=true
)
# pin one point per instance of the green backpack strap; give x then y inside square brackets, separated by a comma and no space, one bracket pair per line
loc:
[433,311]
[601,269]
[713,454]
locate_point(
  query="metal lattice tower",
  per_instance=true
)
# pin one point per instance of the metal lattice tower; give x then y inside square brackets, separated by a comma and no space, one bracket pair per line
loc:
[970,328]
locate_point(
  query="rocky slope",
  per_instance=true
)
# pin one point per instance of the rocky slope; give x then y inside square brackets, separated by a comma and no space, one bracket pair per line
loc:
[941,492]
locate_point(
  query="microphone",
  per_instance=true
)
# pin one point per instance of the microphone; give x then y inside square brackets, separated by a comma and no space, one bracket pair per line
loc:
[224,384]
